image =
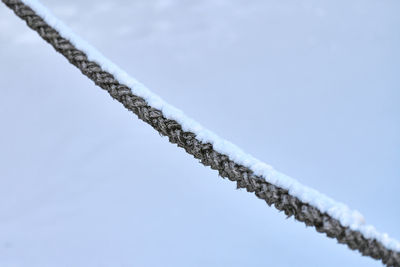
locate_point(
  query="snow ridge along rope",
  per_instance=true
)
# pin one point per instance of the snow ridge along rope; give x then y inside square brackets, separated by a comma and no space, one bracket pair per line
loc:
[244,177]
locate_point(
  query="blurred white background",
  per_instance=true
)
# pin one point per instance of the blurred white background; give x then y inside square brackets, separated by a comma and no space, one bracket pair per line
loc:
[310,87]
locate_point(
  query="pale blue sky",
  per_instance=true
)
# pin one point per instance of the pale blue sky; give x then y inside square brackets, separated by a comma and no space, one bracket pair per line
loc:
[310,87]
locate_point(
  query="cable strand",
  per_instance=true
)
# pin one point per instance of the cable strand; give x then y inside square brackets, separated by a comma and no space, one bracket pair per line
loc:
[204,152]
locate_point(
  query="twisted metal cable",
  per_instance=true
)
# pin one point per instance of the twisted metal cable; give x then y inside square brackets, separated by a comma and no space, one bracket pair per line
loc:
[243,176]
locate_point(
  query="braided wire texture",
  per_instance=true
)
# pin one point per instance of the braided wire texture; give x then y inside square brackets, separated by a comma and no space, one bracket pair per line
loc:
[243,176]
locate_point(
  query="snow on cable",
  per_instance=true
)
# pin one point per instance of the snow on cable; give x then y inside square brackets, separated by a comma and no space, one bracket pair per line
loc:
[347,217]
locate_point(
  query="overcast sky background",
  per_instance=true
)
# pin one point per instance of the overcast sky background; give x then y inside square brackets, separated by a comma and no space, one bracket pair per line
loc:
[310,87]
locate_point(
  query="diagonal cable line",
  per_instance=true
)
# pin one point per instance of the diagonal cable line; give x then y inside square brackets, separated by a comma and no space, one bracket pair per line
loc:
[307,205]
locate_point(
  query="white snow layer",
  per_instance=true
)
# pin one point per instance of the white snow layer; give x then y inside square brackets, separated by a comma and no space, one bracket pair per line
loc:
[337,210]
